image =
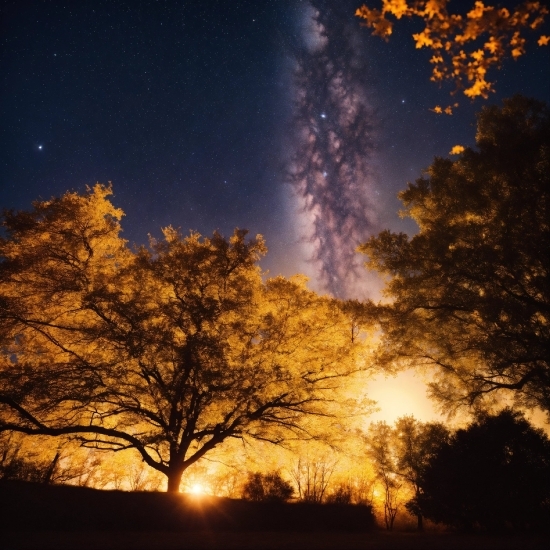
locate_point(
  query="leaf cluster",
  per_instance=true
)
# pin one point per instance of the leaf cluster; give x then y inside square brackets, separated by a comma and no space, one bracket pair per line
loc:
[269,487]
[465,47]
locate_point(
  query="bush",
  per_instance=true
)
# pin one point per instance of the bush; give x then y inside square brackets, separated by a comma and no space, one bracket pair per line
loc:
[342,494]
[267,488]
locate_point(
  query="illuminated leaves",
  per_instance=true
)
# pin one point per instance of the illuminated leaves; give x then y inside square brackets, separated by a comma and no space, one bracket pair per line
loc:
[467,47]
[169,350]
[438,110]
[375,19]
[457,150]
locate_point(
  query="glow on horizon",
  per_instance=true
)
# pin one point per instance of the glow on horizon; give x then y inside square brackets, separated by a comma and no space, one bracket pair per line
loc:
[197,489]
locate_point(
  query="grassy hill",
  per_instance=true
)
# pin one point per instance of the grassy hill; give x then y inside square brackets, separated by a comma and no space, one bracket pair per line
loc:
[30,506]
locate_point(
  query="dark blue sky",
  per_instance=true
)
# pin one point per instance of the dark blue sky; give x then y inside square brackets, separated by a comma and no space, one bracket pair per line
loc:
[188,108]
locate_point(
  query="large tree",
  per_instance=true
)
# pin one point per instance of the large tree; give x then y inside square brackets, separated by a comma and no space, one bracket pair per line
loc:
[168,350]
[469,293]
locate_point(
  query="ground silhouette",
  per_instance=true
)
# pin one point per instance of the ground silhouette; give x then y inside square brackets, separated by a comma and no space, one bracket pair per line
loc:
[41,517]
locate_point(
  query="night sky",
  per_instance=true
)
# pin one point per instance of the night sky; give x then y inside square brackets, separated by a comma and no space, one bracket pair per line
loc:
[284,117]
[199,112]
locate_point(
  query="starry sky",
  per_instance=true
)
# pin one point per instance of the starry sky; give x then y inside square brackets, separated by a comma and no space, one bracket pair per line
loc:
[201,115]
[285,117]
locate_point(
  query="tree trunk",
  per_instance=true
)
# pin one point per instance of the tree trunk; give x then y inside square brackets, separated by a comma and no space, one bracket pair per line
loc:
[420,525]
[51,469]
[174,480]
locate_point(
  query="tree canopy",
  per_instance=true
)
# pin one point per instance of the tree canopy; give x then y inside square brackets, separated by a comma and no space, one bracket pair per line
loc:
[465,46]
[168,349]
[469,294]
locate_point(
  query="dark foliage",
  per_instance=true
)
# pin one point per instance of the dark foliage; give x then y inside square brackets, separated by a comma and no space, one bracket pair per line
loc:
[470,291]
[24,470]
[15,465]
[493,475]
[267,488]
[342,495]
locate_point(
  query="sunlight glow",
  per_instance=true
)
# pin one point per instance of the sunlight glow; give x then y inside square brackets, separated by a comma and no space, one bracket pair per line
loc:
[401,395]
[197,489]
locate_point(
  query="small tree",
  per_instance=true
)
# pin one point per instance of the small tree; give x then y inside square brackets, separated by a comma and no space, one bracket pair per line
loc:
[400,455]
[415,445]
[391,486]
[18,462]
[341,494]
[380,445]
[269,487]
[312,477]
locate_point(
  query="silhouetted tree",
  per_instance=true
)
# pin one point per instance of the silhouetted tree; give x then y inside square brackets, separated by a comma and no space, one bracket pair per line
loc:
[495,474]
[169,350]
[312,477]
[355,489]
[16,464]
[380,445]
[416,443]
[471,290]
[269,487]
[341,494]
[400,455]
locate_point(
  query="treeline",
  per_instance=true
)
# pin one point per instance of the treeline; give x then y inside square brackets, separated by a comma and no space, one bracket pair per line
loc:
[492,475]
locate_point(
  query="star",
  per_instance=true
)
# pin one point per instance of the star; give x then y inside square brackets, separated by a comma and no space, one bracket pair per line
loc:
[40,147]
[323,115]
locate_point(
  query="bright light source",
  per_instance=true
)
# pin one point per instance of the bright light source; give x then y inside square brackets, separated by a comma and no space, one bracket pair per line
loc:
[197,489]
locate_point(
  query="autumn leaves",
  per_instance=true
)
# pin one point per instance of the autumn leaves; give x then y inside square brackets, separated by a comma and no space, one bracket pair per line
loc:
[465,47]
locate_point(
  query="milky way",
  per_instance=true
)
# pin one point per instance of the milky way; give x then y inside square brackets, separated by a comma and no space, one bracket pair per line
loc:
[332,147]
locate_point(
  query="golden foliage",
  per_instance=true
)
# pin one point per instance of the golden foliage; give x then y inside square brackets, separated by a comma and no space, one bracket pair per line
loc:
[169,349]
[438,110]
[465,47]
[457,150]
